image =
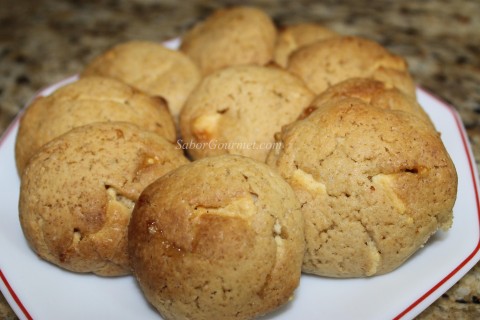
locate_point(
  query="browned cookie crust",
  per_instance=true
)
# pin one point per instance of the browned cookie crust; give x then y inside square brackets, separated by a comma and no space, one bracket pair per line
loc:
[375,93]
[88,100]
[78,192]
[236,36]
[239,109]
[150,67]
[374,185]
[325,63]
[220,238]
[292,37]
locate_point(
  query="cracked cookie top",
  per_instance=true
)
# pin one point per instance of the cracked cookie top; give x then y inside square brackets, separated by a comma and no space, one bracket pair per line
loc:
[88,100]
[78,192]
[328,62]
[374,185]
[219,238]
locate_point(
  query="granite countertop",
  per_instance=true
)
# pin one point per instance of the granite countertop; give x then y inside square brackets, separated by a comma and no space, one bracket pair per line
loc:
[43,41]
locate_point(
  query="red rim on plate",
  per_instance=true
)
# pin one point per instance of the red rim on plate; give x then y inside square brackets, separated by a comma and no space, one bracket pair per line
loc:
[473,175]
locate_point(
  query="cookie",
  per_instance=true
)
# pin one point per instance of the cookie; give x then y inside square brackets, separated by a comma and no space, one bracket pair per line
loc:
[78,191]
[149,67]
[374,93]
[292,37]
[219,238]
[91,99]
[234,36]
[374,185]
[238,110]
[325,63]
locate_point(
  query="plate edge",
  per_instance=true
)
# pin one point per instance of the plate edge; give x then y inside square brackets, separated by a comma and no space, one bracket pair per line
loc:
[410,310]
[16,299]
[474,256]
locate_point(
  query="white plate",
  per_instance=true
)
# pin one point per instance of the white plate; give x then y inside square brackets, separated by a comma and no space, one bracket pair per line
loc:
[39,290]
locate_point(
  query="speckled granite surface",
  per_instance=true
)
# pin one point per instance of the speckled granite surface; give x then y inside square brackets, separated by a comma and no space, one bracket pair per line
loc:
[43,41]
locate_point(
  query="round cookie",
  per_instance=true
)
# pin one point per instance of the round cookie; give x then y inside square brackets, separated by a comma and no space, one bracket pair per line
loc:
[374,93]
[374,185]
[77,193]
[292,37]
[239,109]
[234,36]
[328,62]
[149,67]
[91,99]
[220,238]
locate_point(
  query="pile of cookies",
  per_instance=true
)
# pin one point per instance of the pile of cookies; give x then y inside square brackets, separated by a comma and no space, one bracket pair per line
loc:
[216,174]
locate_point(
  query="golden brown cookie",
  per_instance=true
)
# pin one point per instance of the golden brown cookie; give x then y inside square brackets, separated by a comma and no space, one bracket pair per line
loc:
[90,99]
[77,193]
[325,63]
[374,185]
[234,36]
[149,67]
[219,238]
[239,109]
[374,93]
[292,37]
